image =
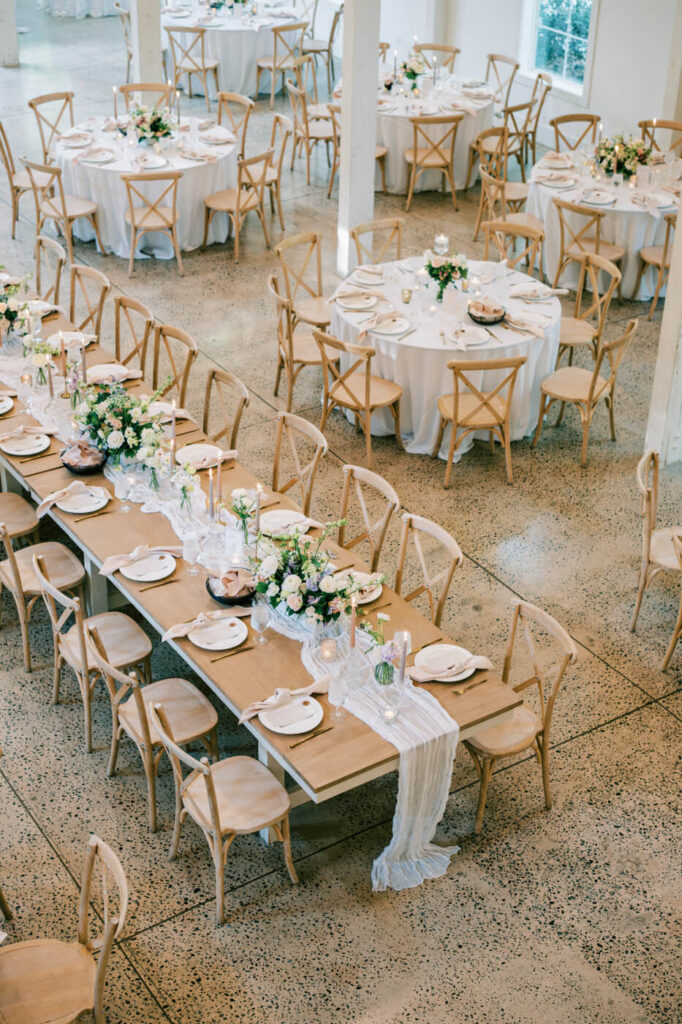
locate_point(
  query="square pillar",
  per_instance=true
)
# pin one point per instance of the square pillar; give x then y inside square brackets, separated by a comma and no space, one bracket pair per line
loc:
[9,46]
[145,29]
[664,428]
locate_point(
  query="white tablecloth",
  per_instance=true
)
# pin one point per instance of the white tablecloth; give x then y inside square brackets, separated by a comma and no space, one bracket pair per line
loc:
[236,41]
[102,183]
[419,362]
[79,8]
[625,224]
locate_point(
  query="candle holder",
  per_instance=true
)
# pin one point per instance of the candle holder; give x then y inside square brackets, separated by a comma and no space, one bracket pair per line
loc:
[441,244]
[406,295]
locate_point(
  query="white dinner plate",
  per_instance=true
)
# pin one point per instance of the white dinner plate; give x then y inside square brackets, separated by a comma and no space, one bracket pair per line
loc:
[283,520]
[559,184]
[75,338]
[435,659]
[83,502]
[6,403]
[598,198]
[153,162]
[531,292]
[30,444]
[79,141]
[150,568]
[104,373]
[366,594]
[396,325]
[219,634]
[471,336]
[364,277]
[102,156]
[218,135]
[556,165]
[359,303]
[177,13]
[198,454]
[301,714]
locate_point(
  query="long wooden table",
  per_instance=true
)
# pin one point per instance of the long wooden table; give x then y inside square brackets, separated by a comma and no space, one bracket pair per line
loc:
[346,756]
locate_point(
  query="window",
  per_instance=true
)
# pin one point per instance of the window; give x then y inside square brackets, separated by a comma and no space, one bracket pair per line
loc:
[561,38]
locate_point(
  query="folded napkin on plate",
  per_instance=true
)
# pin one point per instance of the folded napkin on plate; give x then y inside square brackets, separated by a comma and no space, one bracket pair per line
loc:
[39,308]
[185,628]
[219,135]
[204,125]
[482,307]
[534,291]
[370,269]
[533,323]
[74,133]
[422,675]
[114,562]
[283,696]
[479,92]
[77,487]
[191,153]
[655,202]
[349,292]
[234,583]
[459,105]
[92,151]
[23,431]
[209,461]
[7,393]
[551,176]
[102,375]
[560,159]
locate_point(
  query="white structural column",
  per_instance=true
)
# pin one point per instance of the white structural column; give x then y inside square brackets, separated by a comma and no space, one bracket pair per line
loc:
[358,122]
[664,429]
[145,18]
[9,47]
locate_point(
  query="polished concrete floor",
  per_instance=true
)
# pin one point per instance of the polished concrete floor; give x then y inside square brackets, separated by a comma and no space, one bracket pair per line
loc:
[569,915]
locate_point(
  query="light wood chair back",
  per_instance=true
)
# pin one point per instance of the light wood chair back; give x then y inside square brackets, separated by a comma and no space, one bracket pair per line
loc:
[505,236]
[383,50]
[188,47]
[282,130]
[157,212]
[652,127]
[12,568]
[499,74]
[308,14]
[124,15]
[437,585]
[6,155]
[287,44]
[361,486]
[384,234]
[493,196]
[285,328]
[87,288]
[51,110]
[598,299]
[61,609]
[174,353]
[518,120]
[299,433]
[147,94]
[438,54]
[120,685]
[298,97]
[493,160]
[577,225]
[252,176]
[647,483]
[541,89]
[101,862]
[610,355]
[133,325]
[660,258]
[235,110]
[49,278]
[433,137]
[325,48]
[4,905]
[300,258]
[46,185]
[305,74]
[231,396]
[585,124]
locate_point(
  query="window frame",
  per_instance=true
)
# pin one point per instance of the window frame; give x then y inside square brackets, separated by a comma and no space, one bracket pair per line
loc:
[565,88]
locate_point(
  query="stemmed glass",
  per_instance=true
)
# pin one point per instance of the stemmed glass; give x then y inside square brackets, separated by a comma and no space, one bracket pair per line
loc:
[337,693]
[125,488]
[260,619]
[191,550]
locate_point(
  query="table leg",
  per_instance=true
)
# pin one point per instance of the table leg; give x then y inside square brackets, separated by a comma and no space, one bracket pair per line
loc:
[98,596]
[266,758]
[10,483]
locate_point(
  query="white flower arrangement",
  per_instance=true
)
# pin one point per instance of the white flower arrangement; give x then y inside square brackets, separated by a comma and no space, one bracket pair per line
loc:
[151,122]
[106,417]
[618,156]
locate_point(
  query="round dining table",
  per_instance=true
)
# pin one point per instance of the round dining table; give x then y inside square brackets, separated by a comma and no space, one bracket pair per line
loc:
[235,37]
[633,216]
[417,358]
[211,168]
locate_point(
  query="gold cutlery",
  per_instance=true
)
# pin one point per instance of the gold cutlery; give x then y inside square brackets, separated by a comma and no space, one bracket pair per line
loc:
[379,607]
[459,690]
[42,455]
[93,515]
[161,583]
[237,650]
[310,736]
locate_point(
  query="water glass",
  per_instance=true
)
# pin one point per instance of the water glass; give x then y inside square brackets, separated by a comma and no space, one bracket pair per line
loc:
[260,618]
[191,550]
[338,691]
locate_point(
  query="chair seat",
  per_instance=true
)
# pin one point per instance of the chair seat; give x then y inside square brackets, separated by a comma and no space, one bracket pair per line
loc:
[248,795]
[18,515]
[516,191]
[189,713]
[606,249]
[45,981]
[306,350]
[318,111]
[227,200]
[425,157]
[315,45]
[526,220]
[351,394]
[654,254]
[467,403]
[323,131]
[22,180]
[63,568]
[125,642]
[571,384]
[152,220]
[574,331]
[271,176]
[509,737]
[283,64]
[661,550]
[76,206]
[209,64]
[315,310]
[380,152]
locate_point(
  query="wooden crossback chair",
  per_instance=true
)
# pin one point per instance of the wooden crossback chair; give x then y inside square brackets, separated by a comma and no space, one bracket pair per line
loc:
[305,75]
[359,485]
[188,47]
[247,197]
[282,130]
[174,353]
[295,349]
[586,388]
[527,729]
[469,409]
[49,980]
[325,47]
[383,50]
[580,234]
[299,433]
[586,326]
[438,54]
[19,181]
[158,214]
[502,200]
[585,124]
[52,203]
[433,148]
[652,127]
[436,585]
[133,325]
[235,110]
[541,89]
[309,132]
[659,257]
[287,46]
[384,234]
[51,109]
[231,397]
[300,260]
[148,94]
[356,388]
[124,15]
[380,152]
[49,277]
[519,120]
[499,74]
[87,288]
[677,631]
[308,14]
[490,148]
[505,236]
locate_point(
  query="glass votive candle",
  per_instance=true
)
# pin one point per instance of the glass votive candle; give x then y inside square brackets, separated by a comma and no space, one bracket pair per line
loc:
[406,295]
[441,244]
[432,310]
[26,379]
[328,649]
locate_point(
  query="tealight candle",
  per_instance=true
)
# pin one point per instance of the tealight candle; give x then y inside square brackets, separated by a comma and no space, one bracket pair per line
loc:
[328,649]
[406,295]
[433,310]
[441,243]
[26,379]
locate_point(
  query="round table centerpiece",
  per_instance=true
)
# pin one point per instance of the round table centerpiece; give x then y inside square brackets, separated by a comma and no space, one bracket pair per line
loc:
[151,124]
[445,270]
[412,68]
[618,156]
[119,423]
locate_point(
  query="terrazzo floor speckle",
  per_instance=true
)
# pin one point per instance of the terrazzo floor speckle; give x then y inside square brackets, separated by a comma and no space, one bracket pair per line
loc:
[547,917]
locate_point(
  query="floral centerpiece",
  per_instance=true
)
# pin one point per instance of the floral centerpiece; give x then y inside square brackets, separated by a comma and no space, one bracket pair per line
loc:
[414,66]
[618,156]
[14,314]
[444,270]
[39,353]
[120,424]
[243,505]
[387,653]
[151,123]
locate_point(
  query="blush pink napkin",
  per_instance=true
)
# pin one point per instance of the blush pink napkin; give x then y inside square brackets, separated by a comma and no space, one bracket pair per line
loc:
[184,628]
[283,696]
[114,562]
[422,675]
[77,487]
[23,431]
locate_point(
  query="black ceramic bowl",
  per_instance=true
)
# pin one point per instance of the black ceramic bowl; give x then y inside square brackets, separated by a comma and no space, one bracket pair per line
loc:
[244,599]
[85,470]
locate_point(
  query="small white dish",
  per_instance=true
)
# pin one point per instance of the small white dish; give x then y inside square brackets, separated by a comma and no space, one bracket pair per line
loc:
[198,455]
[300,714]
[560,184]
[150,568]
[219,634]
[598,198]
[437,658]
[283,520]
[88,501]
[557,162]
[396,325]
[365,595]
[6,404]
[358,303]
[31,444]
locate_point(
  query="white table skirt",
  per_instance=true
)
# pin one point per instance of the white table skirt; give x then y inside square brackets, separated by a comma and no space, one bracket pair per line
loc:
[419,362]
[79,8]
[102,183]
[625,224]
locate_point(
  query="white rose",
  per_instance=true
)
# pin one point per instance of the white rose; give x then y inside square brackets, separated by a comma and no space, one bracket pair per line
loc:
[148,436]
[328,585]
[268,567]
[135,413]
[115,439]
[291,584]
[295,602]
[272,590]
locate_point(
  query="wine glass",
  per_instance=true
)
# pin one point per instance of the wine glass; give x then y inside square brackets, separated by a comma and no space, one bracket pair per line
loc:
[260,617]
[191,550]
[336,695]
[124,489]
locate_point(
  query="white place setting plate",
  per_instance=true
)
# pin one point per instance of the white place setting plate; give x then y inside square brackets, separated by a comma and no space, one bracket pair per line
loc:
[560,183]
[177,12]
[31,444]
[557,163]
[437,658]
[283,520]
[87,501]
[105,372]
[598,198]
[301,714]
[365,595]
[470,335]
[152,161]
[218,135]
[77,141]
[198,454]
[6,403]
[366,277]
[219,634]
[396,325]
[358,303]
[150,568]
[102,156]
[76,338]
[531,292]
